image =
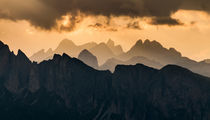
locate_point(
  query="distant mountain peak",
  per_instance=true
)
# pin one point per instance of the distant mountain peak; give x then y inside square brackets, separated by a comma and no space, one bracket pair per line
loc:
[110,43]
[139,42]
[67,41]
[49,50]
[153,44]
[88,58]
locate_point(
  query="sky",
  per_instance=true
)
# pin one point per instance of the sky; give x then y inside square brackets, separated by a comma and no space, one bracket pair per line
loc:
[31,25]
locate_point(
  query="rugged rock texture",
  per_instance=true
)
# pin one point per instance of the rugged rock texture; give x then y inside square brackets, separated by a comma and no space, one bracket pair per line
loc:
[65,88]
[88,58]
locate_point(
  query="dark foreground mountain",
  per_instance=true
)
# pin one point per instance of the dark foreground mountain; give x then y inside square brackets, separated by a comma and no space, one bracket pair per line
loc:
[112,63]
[65,88]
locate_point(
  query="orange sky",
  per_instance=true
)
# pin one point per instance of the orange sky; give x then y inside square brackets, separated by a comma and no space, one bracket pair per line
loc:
[192,39]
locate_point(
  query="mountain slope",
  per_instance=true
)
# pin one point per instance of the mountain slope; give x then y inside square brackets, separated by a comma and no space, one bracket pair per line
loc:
[66,88]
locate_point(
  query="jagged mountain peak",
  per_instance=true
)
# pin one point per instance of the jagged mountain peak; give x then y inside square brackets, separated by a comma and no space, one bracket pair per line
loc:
[152,49]
[49,50]
[110,43]
[139,43]
[85,51]
[148,44]
[1,44]
[66,43]
[174,52]
[152,44]
[22,55]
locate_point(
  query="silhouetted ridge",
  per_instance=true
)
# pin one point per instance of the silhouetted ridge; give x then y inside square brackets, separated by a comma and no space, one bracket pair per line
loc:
[1,44]
[138,43]
[22,56]
[66,88]
[175,69]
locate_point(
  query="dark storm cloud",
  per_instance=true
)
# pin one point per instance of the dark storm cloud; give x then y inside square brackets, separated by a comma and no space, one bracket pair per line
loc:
[45,13]
[134,25]
[105,27]
[165,21]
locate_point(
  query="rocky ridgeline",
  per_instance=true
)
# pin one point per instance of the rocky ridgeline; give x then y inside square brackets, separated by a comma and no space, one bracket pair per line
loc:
[66,88]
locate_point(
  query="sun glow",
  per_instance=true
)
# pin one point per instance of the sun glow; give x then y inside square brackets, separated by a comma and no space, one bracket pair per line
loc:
[65,20]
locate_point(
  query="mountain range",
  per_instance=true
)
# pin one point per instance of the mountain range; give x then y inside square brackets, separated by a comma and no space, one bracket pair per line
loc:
[66,88]
[156,52]
[103,51]
[109,55]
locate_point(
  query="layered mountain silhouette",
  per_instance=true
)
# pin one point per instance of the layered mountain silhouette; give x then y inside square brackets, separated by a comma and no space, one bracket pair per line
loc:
[88,58]
[155,51]
[112,63]
[103,51]
[42,55]
[65,46]
[109,55]
[116,49]
[66,88]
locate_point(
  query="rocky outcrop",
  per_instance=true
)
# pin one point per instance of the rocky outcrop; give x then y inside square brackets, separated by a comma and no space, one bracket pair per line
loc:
[66,88]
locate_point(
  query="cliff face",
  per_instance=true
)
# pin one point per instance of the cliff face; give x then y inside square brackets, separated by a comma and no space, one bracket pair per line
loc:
[66,88]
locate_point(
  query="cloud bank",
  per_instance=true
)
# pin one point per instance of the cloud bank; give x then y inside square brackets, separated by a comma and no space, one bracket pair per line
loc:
[45,14]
